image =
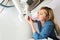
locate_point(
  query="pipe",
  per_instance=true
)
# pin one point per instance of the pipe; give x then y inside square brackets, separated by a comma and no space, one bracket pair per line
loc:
[1,4]
[19,8]
[25,30]
[22,8]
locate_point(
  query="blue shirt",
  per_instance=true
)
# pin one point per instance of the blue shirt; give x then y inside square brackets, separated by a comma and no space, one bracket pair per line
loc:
[46,31]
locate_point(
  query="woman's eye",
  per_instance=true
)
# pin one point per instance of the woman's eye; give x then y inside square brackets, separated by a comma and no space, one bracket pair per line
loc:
[38,12]
[41,14]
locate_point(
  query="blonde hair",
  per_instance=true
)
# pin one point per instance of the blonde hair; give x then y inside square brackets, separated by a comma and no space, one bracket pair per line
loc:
[51,17]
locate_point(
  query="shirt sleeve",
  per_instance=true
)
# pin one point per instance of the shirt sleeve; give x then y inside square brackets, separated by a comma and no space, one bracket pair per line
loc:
[45,32]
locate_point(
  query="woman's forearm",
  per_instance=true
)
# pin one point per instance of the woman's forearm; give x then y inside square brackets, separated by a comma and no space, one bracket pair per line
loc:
[33,29]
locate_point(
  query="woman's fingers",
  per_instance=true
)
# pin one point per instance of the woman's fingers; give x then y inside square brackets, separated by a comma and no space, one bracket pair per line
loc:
[29,20]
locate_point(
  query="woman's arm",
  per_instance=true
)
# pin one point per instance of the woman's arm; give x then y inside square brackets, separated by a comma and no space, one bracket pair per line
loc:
[30,21]
[33,29]
[46,30]
[48,27]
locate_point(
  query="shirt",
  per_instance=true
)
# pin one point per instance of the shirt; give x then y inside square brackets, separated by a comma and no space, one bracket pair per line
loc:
[46,31]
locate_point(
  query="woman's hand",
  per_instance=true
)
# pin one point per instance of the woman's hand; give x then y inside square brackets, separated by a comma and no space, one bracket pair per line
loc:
[30,21]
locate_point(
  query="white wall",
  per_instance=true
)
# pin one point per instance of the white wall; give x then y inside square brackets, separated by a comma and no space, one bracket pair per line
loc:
[8,24]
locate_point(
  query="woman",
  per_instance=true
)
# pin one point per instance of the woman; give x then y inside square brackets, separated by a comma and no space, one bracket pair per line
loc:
[46,24]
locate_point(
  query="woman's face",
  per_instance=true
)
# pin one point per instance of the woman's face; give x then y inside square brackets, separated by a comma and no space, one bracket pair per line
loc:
[42,15]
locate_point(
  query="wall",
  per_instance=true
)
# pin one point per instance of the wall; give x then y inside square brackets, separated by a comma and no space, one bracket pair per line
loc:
[11,28]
